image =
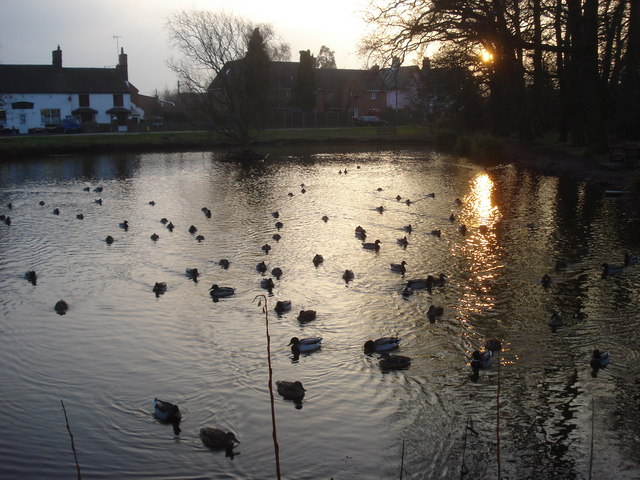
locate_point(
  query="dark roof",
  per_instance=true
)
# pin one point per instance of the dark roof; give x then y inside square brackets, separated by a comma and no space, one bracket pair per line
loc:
[49,79]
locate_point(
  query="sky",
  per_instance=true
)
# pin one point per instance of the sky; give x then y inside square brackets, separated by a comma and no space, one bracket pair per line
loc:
[89,32]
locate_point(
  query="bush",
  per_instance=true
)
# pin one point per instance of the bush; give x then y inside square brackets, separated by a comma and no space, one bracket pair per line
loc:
[446,141]
[485,146]
[463,147]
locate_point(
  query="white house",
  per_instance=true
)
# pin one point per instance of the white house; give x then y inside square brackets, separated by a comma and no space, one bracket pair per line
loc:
[41,96]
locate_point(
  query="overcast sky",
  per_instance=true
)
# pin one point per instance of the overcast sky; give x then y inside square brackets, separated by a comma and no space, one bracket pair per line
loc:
[85,29]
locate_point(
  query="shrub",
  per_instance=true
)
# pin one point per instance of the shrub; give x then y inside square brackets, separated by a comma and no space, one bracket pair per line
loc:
[446,141]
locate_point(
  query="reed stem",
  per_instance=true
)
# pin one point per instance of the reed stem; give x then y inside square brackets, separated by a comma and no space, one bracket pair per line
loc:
[73,447]
[498,421]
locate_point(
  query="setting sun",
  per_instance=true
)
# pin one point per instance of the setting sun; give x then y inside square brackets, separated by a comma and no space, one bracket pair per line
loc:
[486,56]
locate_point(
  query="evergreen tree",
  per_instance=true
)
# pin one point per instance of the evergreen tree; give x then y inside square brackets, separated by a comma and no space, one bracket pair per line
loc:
[304,96]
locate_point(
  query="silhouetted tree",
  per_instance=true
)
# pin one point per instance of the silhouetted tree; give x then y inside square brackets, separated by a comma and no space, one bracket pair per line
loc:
[304,96]
[326,58]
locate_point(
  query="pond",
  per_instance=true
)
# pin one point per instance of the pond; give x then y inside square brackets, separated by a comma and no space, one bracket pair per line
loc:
[537,412]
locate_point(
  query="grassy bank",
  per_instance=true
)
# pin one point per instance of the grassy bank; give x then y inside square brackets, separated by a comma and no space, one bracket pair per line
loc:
[30,145]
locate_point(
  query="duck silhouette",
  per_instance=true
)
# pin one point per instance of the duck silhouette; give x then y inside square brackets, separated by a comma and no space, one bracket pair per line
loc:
[167,413]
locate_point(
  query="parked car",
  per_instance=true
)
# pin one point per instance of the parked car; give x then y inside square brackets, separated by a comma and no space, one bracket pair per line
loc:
[69,125]
[369,121]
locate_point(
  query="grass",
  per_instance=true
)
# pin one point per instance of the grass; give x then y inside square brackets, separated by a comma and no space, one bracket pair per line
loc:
[23,145]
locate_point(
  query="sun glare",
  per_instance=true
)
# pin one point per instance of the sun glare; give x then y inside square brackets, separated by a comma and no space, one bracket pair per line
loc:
[486,56]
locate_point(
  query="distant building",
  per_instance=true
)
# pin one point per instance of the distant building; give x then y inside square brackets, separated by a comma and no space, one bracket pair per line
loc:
[40,97]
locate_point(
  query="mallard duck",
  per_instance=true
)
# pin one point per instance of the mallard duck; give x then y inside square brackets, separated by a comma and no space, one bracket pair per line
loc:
[279,225]
[97,189]
[193,229]
[276,272]
[109,240]
[61,307]
[306,315]
[159,288]
[611,269]
[152,203]
[224,263]
[86,189]
[276,237]
[407,201]
[545,281]
[360,232]
[56,211]
[267,283]
[381,344]
[318,259]
[163,221]
[399,267]
[325,219]
[155,237]
[261,267]
[170,226]
[555,320]
[31,277]
[79,216]
[348,275]
[291,390]
[305,344]
[192,273]
[420,283]
[380,209]
[124,225]
[436,233]
[275,214]
[598,360]
[219,439]
[283,306]
[403,242]
[434,312]
[98,201]
[303,190]
[394,362]
[629,260]
[200,238]
[219,292]
[441,280]
[398,198]
[207,213]
[168,413]
[372,246]
[431,195]
[408,228]
[480,361]
[266,248]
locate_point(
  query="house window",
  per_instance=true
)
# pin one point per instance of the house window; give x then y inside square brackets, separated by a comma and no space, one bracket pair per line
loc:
[50,115]
[83,100]
[372,95]
[286,92]
[331,95]
[22,105]
[3,117]
[118,100]
[352,94]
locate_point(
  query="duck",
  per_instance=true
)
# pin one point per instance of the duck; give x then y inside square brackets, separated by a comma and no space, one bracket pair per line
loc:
[611,269]
[193,274]
[200,238]
[207,213]
[493,344]
[152,203]
[168,413]
[79,216]
[483,229]
[436,232]
[305,344]
[408,202]
[124,225]
[193,229]
[155,237]
[372,246]
[306,315]
[109,240]
[61,307]
[219,292]
[279,225]
[164,221]
[420,283]
[56,211]
[360,232]
[555,320]
[219,439]
[599,360]
[291,390]
[98,201]
[267,283]
[86,189]
[545,281]
[266,248]
[398,198]
[380,209]
[462,229]
[458,202]
[403,241]
[381,344]
[224,263]
[394,362]
[441,280]
[159,288]
[433,312]
[277,272]
[276,237]
[399,267]
[283,306]
[98,189]
[452,218]
[348,275]
[170,226]
[431,195]
[261,267]
[407,292]
[318,259]
[480,361]
[32,277]
[275,214]
[630,260]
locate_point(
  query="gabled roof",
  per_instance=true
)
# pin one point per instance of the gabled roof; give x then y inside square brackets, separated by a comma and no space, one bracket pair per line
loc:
[50,79]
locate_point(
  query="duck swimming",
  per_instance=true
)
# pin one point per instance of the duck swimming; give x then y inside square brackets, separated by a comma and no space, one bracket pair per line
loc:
[267,283]
[381,344]
[348,275]
[31,277]
[318,259]
[193,274]
[78,216]
[611,269]
[325,219]
[124,225]
[372,246]
[277,272]
[279,225]
[408,228]
[276,237]
[420,283]
[360,232]
[629,260]
[167,413]
[403,242]
[159,288]
[598,360]
[220,292]
[305,344]
[200,238]
[283,306]
[434,312]
[192,229]
[219,439]
[261,267]
[56,211]
[170,226]
[394,362]
[306,315]
[545,281]
[480,361]
[109,240]
[61,307]
[555,320]
[291,390]
[224,263]
[155,237]
[266,248]
[399,267]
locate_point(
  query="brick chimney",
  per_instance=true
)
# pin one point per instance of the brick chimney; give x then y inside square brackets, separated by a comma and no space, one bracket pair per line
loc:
[122,65]
[57,58]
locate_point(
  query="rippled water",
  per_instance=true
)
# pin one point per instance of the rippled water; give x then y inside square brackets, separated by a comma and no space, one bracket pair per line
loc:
[539,413]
